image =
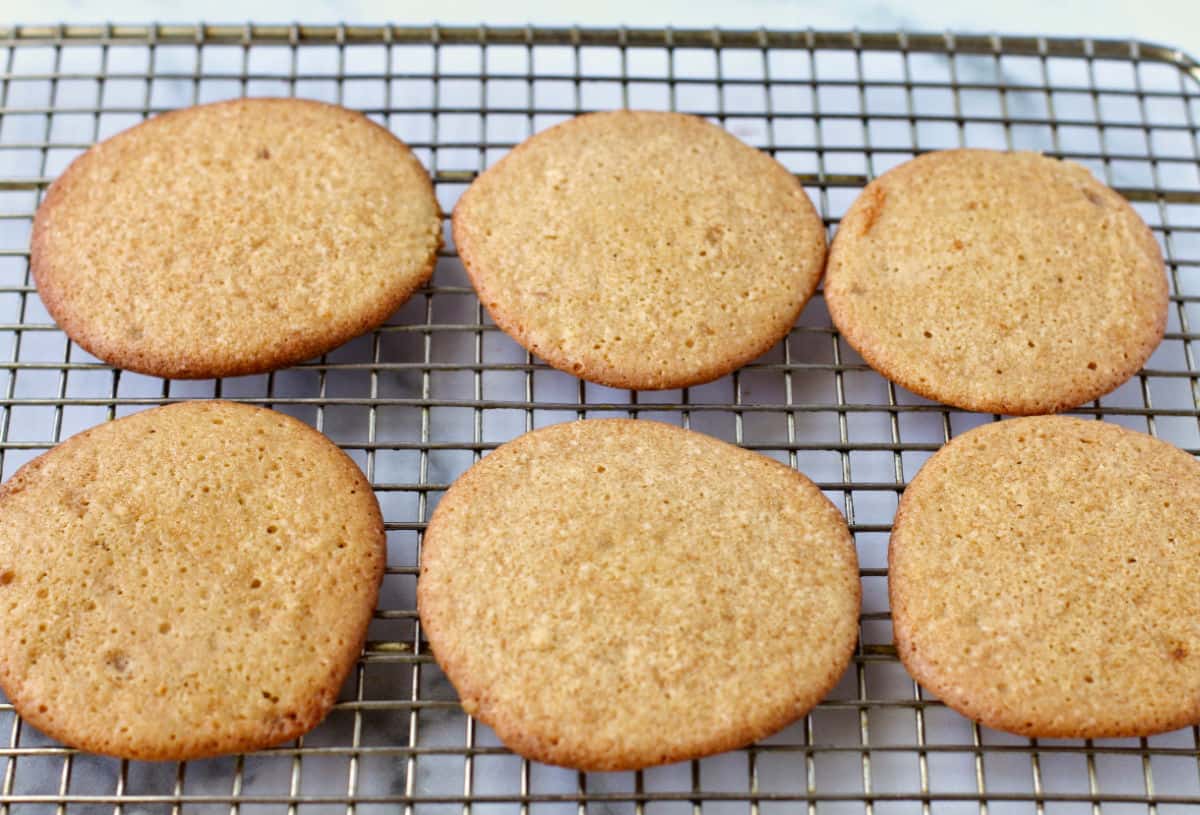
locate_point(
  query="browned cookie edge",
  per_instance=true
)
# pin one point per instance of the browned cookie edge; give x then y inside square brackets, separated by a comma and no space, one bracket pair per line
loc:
[611,375]
[306,718]
[944,688]
[539,747]
[859,217]
[288,352]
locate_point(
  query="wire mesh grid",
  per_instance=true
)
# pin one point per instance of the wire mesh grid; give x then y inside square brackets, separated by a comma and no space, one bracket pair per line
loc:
[419,400]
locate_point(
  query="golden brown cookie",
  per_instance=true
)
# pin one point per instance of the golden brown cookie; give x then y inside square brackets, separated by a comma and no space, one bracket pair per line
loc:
[1043,577]
[186,581]
[1001,282]
[604,602]
[234,238]
[640,249]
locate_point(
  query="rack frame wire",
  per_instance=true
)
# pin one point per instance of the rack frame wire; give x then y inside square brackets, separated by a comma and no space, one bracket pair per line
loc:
[423,397]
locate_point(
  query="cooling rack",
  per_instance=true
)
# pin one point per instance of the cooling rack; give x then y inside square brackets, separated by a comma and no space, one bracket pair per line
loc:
[416,402]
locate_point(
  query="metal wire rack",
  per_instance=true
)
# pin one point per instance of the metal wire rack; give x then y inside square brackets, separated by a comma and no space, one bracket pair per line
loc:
[416,402]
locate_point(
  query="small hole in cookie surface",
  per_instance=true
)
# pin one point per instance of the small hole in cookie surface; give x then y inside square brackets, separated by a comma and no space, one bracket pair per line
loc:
[1091,366]
[7,576]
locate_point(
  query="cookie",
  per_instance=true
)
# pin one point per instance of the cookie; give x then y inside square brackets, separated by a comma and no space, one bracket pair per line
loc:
[234,238]
[1000,282]
[641,249]
[614,594]
[188,581]
[1043,576]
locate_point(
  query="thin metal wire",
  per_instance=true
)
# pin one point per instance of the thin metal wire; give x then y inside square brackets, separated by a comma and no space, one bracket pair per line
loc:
[477,414]
[623,79]
[961,137]
[779,39]
[441,344]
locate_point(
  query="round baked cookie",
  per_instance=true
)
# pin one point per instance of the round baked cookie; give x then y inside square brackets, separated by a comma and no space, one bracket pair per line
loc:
[604,602]
[234,238]
[1043,577]
[1000,282]
[640,249]
[187,581]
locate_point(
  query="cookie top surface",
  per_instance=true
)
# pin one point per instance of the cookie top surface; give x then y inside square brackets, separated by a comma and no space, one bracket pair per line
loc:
[187,581]
[1000,282]
[1043,578]
[234,238]
[640,249]
[591,589]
